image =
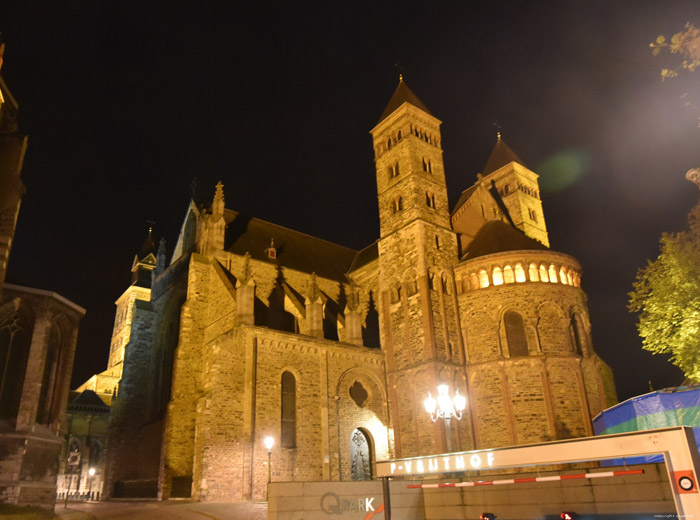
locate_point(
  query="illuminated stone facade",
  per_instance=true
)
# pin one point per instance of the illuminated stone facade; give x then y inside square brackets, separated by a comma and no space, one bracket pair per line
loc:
[253,329]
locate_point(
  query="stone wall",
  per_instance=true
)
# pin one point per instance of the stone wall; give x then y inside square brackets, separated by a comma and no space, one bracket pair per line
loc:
[553,388]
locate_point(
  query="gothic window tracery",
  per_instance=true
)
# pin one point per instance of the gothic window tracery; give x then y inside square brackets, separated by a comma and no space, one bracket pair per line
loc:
[15,339]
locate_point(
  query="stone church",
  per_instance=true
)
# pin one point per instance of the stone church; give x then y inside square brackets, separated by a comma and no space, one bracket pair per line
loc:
[251,330]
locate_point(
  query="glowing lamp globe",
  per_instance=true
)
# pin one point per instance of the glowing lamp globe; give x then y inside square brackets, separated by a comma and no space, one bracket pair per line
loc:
[269,443]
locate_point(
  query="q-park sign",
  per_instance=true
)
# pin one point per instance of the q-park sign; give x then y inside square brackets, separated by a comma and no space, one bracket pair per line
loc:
[332,504]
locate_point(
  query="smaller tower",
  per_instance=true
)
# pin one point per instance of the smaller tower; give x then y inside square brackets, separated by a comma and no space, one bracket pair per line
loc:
[145,262]
[505,190]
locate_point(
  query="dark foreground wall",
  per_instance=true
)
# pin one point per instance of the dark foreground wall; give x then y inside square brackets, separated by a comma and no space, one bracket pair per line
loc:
[646,494]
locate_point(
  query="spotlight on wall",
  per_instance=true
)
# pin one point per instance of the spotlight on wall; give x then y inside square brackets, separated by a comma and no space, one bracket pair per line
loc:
[568,515]
[487,516]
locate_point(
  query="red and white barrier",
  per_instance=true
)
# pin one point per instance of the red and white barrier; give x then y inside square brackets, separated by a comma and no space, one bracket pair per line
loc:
[551,478]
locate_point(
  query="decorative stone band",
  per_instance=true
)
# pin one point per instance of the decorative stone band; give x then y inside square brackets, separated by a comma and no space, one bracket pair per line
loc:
[531,479]
[508,268]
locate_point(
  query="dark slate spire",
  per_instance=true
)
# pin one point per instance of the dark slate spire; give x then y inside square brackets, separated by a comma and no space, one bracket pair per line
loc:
[402,95]
[149,245]
[500,156]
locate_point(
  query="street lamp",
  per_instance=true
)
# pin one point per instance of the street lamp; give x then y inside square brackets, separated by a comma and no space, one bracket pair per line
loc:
[269,443]
[445,407]
[91,473]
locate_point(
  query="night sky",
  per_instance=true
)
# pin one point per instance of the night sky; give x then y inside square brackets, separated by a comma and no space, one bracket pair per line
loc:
[126,102]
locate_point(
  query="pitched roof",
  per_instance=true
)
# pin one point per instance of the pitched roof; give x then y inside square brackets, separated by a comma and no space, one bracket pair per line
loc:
[365,256]
[89,402]
[497,237]
[500,156]
[295,250]
[464,196]
[402,95]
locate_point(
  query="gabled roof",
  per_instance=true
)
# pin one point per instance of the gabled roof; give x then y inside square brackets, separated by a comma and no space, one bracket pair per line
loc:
[365,256]
[500,156]
[88,402]
[295,250]
[464,196]
[402,95]
[497,237]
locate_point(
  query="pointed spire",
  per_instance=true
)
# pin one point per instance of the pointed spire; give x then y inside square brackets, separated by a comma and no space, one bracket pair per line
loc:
[149,245]
[218,204]
[500,156]
[402,95]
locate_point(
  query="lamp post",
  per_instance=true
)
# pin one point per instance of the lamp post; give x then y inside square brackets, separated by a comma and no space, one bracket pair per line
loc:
[269,443]
[447,408]
[91,473]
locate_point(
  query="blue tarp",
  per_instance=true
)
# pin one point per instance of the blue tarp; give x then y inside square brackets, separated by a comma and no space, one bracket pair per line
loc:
[661,409]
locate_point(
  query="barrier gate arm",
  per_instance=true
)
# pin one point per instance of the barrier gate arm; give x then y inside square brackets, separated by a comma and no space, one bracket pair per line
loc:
[676,444]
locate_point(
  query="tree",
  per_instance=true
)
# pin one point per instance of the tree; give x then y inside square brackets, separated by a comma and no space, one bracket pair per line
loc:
[686,43]
[667,297]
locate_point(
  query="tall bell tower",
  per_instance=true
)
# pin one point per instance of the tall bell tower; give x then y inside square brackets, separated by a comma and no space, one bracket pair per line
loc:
[417,250]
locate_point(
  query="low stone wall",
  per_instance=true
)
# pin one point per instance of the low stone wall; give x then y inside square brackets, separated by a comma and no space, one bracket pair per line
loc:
[635,496]
[342,501]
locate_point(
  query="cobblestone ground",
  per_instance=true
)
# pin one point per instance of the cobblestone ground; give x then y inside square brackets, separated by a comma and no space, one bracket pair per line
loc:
[170,510]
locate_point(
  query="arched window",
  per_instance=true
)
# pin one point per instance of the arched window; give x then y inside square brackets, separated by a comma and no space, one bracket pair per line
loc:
[288,436]
[552,274]
[569,278]
[515,334]
[543,274]
[430,166]
[534,276]
[483,278]
[473,281]
[519,273]
[425,166]
[399,135]
[508,276]
[579,333]
[388,144]
[15,339]
[497,276]
[562,276]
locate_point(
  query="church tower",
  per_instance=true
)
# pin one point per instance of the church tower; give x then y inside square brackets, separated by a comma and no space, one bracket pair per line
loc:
[417,249]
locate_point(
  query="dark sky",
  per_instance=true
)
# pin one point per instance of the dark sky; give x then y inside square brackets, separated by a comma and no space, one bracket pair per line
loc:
[127,102]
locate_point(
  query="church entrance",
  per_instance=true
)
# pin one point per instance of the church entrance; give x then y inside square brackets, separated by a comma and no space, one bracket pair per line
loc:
[360,455]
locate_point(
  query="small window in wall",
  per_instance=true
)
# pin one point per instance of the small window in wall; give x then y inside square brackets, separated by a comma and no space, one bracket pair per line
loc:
[288,437]
[534,275]
[399,135]
[437,242]
[430,200]
[497,276]
[397,205]
[533,214]
[515,334]
[579,333]
[359,394]
[519,273]
[508,276]
[543,274]
[552,274]
[483,279]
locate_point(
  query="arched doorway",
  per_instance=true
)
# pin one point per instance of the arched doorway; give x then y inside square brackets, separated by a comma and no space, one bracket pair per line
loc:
[360,455]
